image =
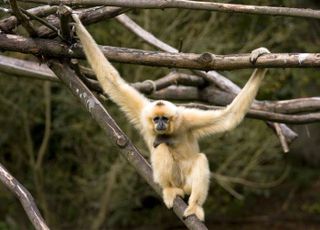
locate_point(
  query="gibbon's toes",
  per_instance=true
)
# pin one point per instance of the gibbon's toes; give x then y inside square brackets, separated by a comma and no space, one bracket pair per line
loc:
[169,194]
[194,210]
[257,53]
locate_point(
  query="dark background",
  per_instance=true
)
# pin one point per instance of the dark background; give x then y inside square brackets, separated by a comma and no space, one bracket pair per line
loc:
[83,183]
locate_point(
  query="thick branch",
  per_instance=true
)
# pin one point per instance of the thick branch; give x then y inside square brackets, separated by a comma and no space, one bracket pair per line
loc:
[29,69]
[126,148]
[25,198]
[204,61]
[263,110]
[194,5]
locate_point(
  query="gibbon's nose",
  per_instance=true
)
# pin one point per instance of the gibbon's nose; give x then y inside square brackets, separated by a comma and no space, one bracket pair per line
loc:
[161,126]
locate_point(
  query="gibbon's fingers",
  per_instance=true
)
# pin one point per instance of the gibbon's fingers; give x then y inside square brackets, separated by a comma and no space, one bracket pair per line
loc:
[129,99]
[257,53]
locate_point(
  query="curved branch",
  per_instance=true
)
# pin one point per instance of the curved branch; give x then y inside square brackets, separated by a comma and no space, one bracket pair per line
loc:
[24,197]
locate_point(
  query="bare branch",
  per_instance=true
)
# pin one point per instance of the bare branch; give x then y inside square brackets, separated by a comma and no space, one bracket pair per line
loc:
[65,17]
[193,5]
[263,110]
[126,148]
[22,18]
[204,61]
[23,68]
[24,197]
[265,115]
[10,23]
[87,16]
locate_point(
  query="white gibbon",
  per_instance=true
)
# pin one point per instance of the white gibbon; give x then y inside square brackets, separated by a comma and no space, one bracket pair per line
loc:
[172,132]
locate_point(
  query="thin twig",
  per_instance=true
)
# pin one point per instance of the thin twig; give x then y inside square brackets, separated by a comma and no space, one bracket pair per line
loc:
[23,20]
[24,197]
[8,24]
[42,21]
[283,141]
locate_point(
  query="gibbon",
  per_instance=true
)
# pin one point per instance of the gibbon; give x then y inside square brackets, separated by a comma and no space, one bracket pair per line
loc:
[172,132]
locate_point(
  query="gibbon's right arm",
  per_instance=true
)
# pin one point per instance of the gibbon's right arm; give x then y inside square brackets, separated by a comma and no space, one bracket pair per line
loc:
[128,98]
[203,123]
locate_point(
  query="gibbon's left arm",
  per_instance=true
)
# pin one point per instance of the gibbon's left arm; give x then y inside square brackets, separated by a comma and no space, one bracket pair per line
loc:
[203,123]
[129,100]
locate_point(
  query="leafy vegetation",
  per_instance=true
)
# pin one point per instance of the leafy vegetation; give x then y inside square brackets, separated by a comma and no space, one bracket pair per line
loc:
[82,183]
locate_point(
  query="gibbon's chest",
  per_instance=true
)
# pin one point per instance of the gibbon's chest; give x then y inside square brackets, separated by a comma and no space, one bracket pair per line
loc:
[182,147]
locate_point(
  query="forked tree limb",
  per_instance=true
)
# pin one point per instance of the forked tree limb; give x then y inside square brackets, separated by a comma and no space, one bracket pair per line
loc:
[126,148]
[24,197]
[192,5]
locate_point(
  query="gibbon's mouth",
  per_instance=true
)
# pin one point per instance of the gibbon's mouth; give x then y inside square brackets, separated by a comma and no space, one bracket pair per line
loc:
[161,131]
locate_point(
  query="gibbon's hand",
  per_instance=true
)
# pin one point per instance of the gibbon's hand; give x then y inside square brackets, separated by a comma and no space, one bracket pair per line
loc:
[256,53]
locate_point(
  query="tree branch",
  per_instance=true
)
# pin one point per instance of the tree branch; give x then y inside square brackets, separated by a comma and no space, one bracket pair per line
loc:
[8,24]
[204,61]
[193,5]
[22,18]
[24,197]
[267,116]
[87,16]
[126,148]
[277,111]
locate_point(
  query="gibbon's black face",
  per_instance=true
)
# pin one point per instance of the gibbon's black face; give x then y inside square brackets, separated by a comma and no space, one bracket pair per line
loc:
[161,123]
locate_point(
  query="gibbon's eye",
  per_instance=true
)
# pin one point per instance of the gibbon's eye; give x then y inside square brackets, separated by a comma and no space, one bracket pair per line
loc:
[165,119]
[156,119]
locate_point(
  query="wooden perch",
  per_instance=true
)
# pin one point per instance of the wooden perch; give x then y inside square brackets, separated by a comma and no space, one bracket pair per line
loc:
[24,197]
[192,5]
[126,148]
[205,61]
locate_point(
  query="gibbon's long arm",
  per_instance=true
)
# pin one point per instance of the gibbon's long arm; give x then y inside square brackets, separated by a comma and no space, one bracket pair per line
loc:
[204,123]
[129,100]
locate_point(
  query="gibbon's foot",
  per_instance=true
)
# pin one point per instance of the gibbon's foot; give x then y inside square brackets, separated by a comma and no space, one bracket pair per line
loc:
[194,210]
[169,194]
[257,53]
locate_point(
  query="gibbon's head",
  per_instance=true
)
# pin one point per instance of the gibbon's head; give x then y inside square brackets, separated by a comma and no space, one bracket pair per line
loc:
[162,117]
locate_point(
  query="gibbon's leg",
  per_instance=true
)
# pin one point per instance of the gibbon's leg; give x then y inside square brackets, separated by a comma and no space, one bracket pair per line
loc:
[200,176]
[163,168]
[204,123]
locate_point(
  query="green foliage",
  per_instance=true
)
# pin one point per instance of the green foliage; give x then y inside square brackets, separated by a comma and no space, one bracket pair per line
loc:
[74,182]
